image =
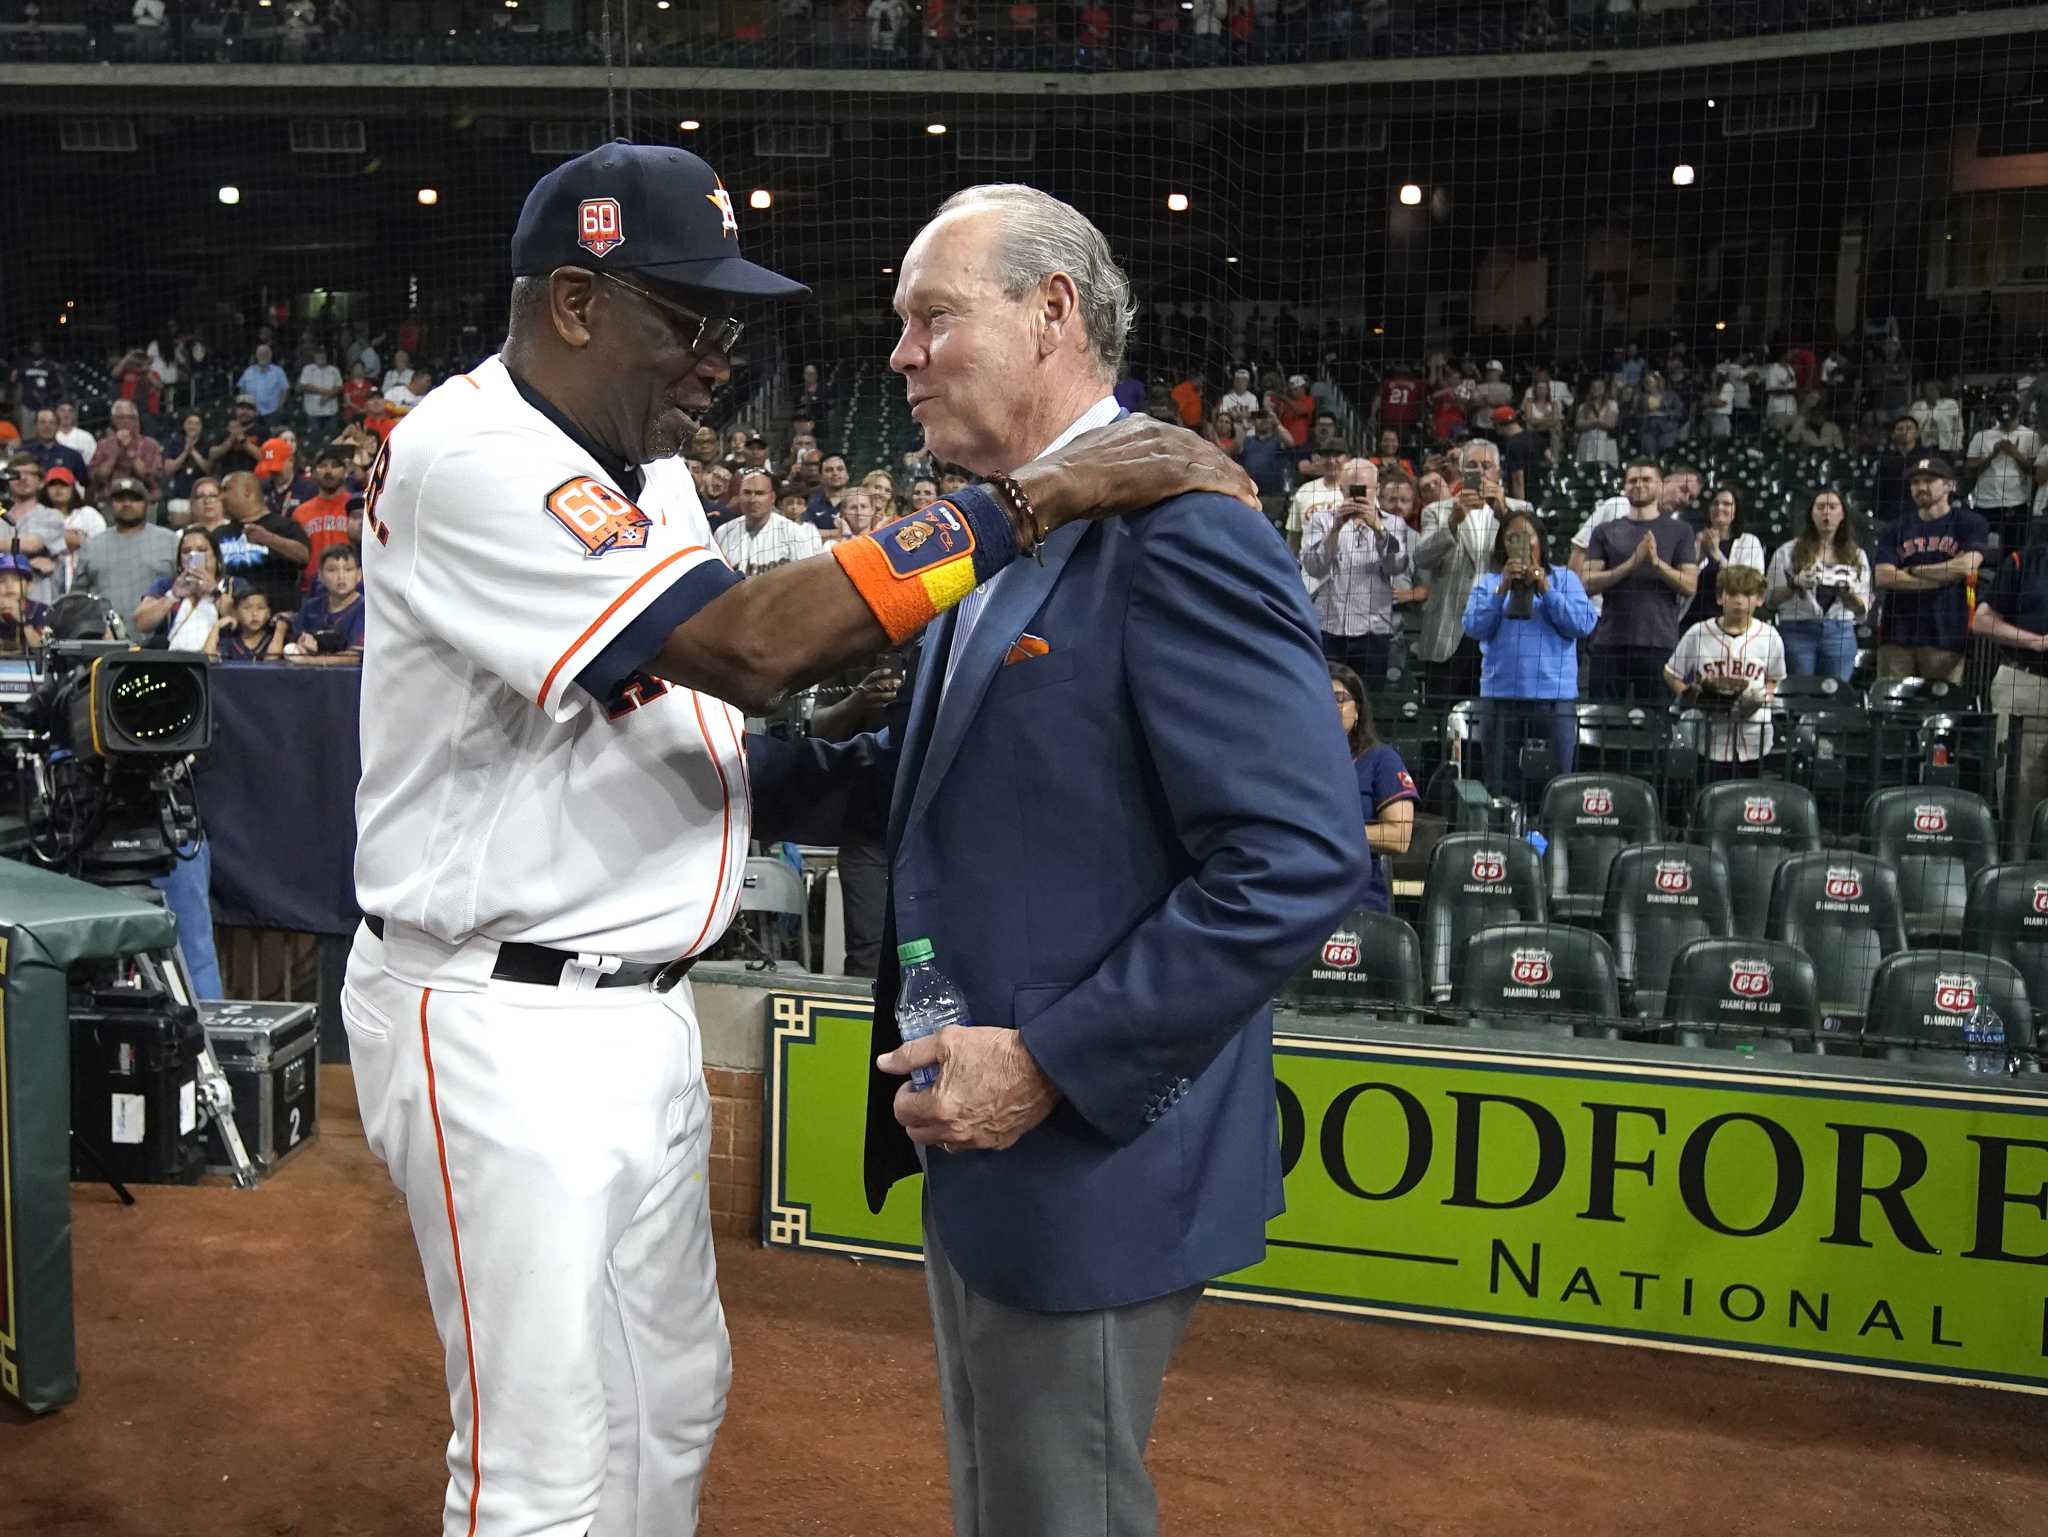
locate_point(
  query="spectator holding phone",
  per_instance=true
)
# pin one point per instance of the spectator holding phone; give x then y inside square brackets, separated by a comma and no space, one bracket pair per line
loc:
[1355,556]
[1818,590]
[1459,533]
[181,612]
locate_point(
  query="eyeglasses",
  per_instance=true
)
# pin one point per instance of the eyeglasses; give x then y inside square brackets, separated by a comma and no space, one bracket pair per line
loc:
[720,336]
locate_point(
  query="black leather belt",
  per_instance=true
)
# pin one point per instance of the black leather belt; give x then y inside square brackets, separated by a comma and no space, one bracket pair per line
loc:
[542,967]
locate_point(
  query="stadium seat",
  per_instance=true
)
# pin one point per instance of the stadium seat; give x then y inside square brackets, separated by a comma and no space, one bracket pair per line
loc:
[1587,820]
[1742,994]
[1755,825]
[1546,977]
[1936,837]
[1807,692]
[1475,880]
[2007,917]
[1623,739]
[1834,754]
[2037,835]
[1957,1009]
[1843,911]
[1368,971]
[1660,898]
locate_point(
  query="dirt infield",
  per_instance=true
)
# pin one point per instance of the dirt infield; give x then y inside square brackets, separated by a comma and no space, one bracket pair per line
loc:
[262,1365]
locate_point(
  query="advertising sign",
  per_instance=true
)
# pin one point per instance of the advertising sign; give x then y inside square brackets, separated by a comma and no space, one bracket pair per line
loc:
[1868,1227]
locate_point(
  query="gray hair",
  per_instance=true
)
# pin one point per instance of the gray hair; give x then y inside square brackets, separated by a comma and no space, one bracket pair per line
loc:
[1041,236]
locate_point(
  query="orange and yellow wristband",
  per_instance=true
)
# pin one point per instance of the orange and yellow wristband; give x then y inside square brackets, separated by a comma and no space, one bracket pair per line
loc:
[911,571]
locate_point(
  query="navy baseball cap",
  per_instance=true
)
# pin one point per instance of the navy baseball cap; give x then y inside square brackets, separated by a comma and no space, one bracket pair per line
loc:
[649,208]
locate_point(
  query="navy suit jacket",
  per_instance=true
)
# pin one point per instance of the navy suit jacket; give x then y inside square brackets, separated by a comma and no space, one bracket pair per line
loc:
[1120,847]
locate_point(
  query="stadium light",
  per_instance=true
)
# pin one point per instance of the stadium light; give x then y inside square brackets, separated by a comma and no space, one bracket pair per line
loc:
[1230,261]
[230,195]
[1720,325]
[1411,194]
[761,197]
[1682,175]
[428,196]
[935,128]
[1379,330]
[1711,103]
[1177,202]
[888,272]
[689,125]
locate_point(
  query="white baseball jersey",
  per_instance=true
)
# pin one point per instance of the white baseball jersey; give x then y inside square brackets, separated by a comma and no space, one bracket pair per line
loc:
[1757,656]
[500,801]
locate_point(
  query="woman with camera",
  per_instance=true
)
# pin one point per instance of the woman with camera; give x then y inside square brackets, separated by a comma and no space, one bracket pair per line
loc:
[1528,617]
[1818,591]
[180,612]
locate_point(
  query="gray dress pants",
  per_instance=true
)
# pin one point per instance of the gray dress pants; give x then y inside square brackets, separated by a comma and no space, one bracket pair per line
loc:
[1047,1414]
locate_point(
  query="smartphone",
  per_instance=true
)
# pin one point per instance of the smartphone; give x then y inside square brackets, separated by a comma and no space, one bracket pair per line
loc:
[1522,546]
[194,561]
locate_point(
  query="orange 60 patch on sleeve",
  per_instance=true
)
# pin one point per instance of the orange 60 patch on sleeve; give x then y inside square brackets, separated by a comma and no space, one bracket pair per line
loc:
[601,519]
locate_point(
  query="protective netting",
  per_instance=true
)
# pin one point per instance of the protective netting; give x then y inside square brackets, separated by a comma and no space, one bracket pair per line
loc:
[1742,241]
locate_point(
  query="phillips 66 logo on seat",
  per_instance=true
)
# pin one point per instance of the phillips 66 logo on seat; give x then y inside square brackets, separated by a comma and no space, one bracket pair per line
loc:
[2041,896]
[1489,865]
[1341,950]
[1845,883]
[1750,979]
[1930,819]
[1674,876]
[1759,810]
[1532,968]
[1599,801]
[1955,993]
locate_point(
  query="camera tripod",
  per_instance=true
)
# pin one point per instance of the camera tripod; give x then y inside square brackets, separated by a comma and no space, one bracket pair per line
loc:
[165,972]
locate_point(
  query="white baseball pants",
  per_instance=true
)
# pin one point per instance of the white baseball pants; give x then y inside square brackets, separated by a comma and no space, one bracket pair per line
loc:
[553,1147]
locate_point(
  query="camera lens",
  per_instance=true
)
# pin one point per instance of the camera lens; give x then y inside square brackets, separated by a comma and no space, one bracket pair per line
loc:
[150,704]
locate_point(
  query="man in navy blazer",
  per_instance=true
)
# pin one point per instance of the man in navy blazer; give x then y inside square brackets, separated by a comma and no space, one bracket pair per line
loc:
[1122,813]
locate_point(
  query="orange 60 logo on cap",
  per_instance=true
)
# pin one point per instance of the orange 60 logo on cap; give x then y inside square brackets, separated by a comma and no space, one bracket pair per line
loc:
[598,227]
[600,518]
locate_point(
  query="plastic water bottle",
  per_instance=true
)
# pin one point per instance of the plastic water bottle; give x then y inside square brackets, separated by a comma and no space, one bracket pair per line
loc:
[1984,1028]
[927,1002]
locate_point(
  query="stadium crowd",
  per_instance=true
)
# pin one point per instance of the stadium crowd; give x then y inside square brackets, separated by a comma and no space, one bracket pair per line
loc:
[1649,531]
[1077,35]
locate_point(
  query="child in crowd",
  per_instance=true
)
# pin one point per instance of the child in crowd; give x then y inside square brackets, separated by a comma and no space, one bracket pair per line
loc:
[248,632]
[1729,668]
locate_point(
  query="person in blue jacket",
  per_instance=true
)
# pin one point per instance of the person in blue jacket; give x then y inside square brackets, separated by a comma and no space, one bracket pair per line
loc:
[1123,814]
[1386,790]
[1528,617]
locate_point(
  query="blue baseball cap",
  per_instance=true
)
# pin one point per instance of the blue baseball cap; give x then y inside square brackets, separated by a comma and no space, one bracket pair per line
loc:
[17,565]
[648,208]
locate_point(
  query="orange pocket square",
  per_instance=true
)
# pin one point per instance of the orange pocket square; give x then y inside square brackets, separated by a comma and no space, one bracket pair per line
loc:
[1026,648]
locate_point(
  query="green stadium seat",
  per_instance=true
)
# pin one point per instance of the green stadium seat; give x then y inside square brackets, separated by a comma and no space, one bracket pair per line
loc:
[1660,898]
[1475,880]
[1961,1010]
[1755,995]
[1937,837]
[1368,972]
[2007,916]
[1843,910]
[1586,820]
[1546,977]
[1755,826]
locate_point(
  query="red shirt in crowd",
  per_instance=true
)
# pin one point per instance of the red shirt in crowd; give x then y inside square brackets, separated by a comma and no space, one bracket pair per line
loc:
[1447,411]
[325,520]
[1401,401]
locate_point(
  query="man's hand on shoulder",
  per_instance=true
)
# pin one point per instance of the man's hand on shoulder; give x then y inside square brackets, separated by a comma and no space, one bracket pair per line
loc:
[989,1092]
[1127,466]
